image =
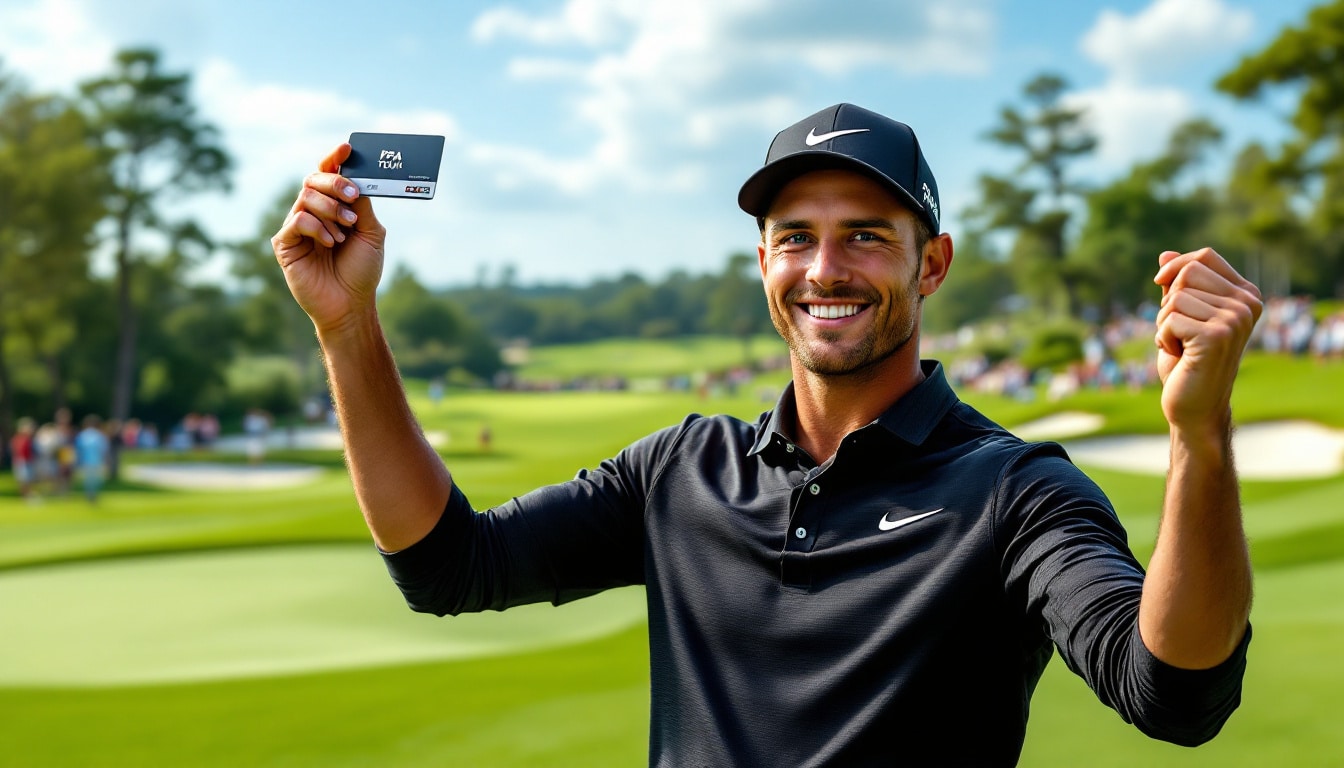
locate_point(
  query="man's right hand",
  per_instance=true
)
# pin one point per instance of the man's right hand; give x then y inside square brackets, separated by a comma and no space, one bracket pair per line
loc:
[331,248]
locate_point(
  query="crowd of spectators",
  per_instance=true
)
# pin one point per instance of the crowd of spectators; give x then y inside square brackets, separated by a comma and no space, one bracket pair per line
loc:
[1290,325]
[50,458]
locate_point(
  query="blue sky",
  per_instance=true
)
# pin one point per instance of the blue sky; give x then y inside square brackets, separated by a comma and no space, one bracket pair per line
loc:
[588,138]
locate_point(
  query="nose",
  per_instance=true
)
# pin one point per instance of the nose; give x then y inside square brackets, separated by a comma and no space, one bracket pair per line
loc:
[829,265]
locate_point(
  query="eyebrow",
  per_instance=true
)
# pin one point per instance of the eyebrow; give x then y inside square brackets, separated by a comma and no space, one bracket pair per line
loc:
[791,224]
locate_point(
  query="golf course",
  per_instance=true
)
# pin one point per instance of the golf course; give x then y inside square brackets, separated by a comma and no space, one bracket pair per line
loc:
[254,624]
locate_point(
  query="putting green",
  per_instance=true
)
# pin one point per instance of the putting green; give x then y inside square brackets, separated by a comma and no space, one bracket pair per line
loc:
[254,612]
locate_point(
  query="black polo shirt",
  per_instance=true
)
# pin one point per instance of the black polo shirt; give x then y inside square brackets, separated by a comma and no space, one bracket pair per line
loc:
[894,606]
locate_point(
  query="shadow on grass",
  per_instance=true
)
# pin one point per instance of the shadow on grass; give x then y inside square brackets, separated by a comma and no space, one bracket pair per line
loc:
[326,459]
[1309,546]
[157,549]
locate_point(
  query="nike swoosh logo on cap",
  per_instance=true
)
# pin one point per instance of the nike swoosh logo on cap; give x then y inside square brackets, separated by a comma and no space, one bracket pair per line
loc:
[887,524]
[813,139]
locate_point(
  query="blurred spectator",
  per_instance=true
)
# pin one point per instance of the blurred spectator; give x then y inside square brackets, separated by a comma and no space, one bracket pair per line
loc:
[114,446]
[147,437]
[22,456]
[46,442]
[179,439]
[65,451]
[91,451]
[208,430]
[191,427]
[130,433]
[256,425]
[1327,342]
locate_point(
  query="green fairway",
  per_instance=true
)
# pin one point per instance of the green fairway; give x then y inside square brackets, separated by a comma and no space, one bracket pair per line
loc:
[255,612]
[304,653]
[646,358]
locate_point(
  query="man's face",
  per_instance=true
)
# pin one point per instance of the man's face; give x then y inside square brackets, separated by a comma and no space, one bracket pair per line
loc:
[841,271]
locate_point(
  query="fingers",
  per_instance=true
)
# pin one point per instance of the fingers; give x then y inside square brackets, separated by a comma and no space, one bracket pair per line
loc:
[325,204]
[332,213]
[1172,264]
[327,210]
[332,162]
[1209,281]
[1203,299]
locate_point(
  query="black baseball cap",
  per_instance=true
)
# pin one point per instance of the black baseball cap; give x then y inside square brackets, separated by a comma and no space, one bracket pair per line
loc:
[849,138]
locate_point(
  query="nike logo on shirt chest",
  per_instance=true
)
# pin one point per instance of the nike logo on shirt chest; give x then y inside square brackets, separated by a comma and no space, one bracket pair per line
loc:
[888,523]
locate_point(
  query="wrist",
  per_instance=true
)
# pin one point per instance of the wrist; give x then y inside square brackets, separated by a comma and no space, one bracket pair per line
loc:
[352,329]
[1210,439]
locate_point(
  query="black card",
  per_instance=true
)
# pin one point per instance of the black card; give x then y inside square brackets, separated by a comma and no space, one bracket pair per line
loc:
[394,164]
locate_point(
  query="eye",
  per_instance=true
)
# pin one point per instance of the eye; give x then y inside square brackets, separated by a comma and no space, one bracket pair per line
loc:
[797,238]
[866,237]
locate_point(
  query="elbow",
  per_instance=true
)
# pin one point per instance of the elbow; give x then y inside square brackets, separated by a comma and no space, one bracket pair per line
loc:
[1190,728]
[1183,706]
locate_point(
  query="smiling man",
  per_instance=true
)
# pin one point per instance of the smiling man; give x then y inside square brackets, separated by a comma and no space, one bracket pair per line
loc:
[871,574]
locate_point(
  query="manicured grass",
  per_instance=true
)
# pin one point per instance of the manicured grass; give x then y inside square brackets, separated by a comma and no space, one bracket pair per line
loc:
[586,703]
[646,358]
[257,611]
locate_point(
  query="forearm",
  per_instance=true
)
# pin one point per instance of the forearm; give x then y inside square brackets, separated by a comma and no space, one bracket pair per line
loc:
[1197,594]
[400,481]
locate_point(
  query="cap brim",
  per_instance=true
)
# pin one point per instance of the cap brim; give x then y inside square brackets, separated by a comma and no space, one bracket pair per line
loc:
[760,190]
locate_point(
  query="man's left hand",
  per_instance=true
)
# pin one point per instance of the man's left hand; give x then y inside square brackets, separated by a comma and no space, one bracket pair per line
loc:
[1208,312]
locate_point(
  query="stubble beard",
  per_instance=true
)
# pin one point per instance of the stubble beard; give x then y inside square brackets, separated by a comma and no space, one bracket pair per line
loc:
[867,354]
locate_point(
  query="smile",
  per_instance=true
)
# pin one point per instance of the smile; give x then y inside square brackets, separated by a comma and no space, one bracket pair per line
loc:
[832,311]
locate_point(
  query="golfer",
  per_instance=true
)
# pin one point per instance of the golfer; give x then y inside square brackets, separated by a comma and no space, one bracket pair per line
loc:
[873,573]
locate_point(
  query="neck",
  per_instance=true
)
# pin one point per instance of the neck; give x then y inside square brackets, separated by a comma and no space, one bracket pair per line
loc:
[830,407]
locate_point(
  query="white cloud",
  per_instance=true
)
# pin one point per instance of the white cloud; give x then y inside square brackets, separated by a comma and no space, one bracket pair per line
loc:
[589,22]
[1135,109]
[1165,35]
[52,43]
[1131,121]
[653,77]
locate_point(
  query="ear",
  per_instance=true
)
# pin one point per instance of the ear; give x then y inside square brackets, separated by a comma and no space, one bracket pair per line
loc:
[760,255]
[937,258]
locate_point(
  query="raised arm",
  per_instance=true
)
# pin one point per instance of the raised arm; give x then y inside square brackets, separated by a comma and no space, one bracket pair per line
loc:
[331,250]
[1197,594]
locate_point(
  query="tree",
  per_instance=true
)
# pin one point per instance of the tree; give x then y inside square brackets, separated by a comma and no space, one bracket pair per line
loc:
[52,178]
[1149,210]
[271,320]
[427,334]
[737,304]
[159,147]
[1256,214]
[1310,59]
[188,335]
[1035,202]
[981,286]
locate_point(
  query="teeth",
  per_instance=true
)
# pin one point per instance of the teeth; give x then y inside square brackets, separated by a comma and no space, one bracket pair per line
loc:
[832,311]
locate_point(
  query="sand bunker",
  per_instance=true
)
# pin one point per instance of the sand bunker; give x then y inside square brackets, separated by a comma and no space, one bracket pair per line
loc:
[305,438]
[1279,450]
[1059,426]
[209,476]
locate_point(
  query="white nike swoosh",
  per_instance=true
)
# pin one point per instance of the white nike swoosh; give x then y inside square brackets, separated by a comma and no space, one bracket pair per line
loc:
[888,525]
[813,139]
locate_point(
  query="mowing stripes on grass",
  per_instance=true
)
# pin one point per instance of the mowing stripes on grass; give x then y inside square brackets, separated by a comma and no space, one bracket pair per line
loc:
[229,614]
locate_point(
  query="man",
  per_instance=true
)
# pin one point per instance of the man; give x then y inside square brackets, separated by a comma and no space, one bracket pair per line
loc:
[91,448]
[873,573]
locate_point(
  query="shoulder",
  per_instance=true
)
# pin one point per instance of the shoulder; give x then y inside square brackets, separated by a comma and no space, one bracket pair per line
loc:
[695,433]
[1023,471]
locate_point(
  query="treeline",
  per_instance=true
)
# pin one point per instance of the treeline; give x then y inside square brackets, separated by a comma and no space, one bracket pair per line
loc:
[92,173]
[729,302]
